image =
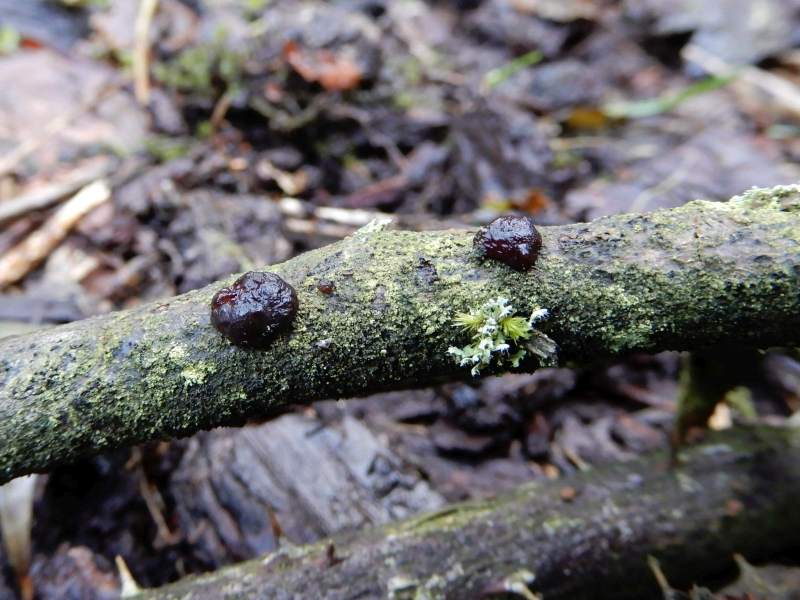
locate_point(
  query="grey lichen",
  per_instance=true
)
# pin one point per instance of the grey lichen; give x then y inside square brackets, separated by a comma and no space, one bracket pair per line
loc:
[518,582]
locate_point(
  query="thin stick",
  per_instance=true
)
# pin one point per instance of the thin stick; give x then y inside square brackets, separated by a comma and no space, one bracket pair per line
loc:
[50,194]
[141,50]
[129,586]
[25,256]
[16,520]
[783,92]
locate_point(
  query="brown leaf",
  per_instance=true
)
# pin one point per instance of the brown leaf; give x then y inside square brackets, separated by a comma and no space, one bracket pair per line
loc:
[333,72]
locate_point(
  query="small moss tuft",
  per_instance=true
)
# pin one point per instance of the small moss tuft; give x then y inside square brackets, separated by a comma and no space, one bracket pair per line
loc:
[495,333]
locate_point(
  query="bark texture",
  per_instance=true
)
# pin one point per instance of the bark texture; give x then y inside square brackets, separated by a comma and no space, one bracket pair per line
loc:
[697,276]
[736,493]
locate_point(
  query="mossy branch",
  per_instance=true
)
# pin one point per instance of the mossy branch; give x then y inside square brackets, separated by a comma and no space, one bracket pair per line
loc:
[697,276]
[584,537]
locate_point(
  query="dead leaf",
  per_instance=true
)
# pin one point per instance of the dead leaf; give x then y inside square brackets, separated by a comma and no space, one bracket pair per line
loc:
[333,72]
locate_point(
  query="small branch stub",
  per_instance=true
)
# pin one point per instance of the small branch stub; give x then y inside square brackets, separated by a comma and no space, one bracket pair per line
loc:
[254,309]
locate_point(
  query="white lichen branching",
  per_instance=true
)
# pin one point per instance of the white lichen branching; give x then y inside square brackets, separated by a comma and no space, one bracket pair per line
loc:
[500,336]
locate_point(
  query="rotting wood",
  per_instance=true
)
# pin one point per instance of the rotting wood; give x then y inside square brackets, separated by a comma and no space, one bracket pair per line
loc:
[736,493]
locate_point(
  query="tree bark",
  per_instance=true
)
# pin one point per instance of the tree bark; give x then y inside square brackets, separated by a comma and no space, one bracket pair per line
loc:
[736,493]
[693,277]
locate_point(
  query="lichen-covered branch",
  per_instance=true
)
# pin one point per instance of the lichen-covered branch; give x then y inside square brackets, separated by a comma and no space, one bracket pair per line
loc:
[584,537]
[703,274]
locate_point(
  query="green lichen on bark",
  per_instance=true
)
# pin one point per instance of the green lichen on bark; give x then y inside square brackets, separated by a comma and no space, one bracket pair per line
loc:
[700,275]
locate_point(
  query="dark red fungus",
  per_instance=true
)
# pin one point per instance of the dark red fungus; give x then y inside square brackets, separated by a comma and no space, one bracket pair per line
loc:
[513,241]
[326,286]
[254,309]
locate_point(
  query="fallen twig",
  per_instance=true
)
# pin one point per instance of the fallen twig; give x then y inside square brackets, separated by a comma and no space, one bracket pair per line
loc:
[705,274]
[50,194]
[22,258]
[141,50]
[780,90]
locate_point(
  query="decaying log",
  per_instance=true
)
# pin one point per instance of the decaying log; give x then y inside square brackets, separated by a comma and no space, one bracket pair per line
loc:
[704,274]
[588,536]
[239,493]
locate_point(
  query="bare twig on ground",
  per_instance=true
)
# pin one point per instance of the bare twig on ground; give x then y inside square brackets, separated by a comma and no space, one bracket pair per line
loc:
[50,194]
[22,258]
[141,50]
[780,90]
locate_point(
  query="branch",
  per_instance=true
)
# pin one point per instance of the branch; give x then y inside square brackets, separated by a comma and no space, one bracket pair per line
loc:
[696,276]
[584,537]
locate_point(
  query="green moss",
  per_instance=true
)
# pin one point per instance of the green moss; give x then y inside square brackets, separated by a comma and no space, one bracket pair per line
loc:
[164,148]
[9,39]
[197,69]
[255,6]
[782,198]
[452,517]
[498,336]
[557,525]
[196,374]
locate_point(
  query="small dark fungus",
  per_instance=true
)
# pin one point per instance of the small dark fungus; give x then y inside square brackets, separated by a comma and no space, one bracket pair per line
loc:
[326,286]
[511,240]
[254,309]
